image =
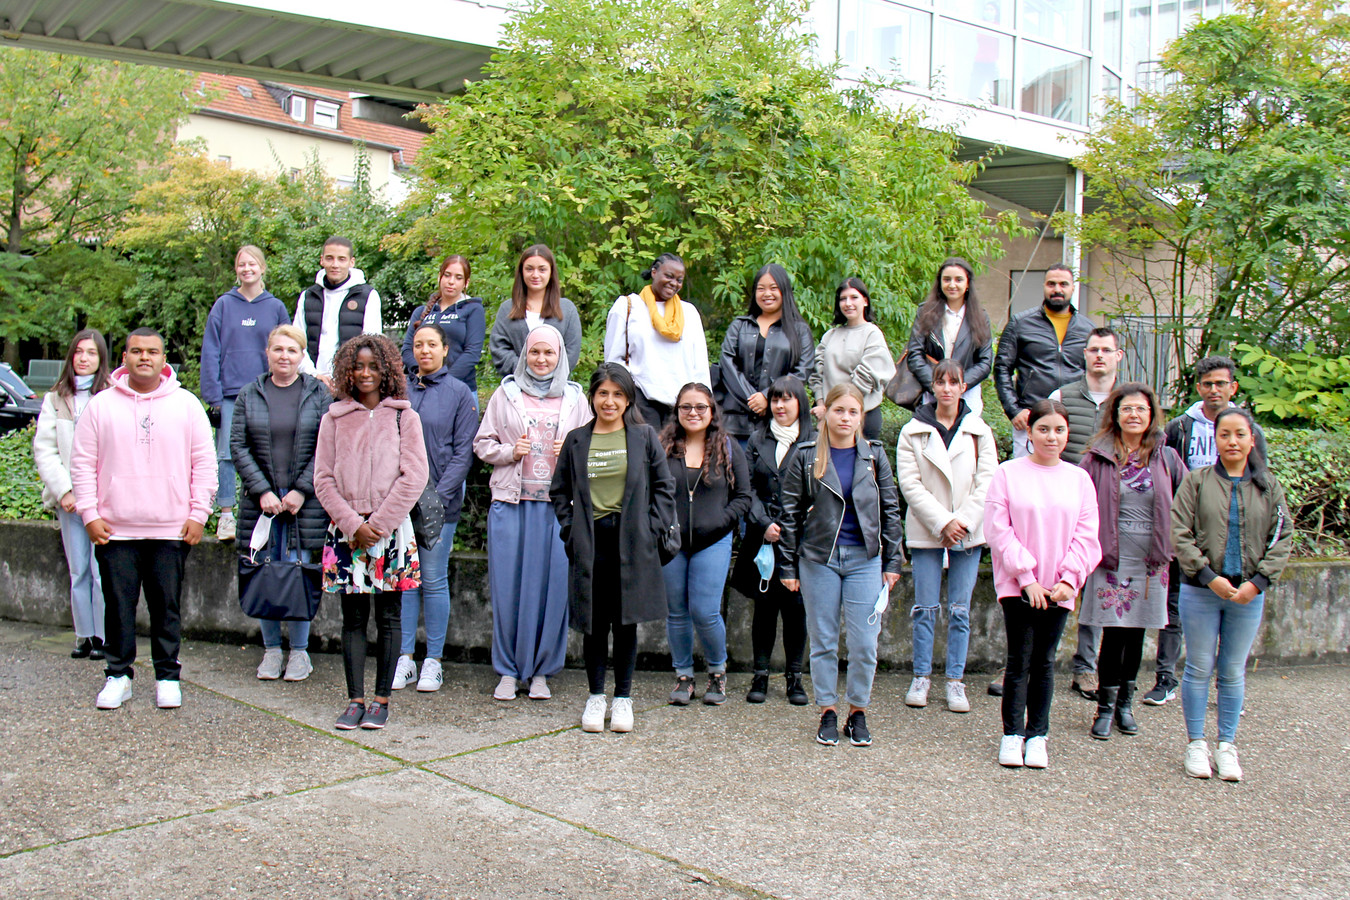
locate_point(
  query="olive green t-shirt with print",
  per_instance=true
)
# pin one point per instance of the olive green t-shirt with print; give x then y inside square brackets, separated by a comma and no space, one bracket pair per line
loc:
[607,468]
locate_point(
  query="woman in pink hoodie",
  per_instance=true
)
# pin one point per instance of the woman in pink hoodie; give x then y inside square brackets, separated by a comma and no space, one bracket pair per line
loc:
[1040,519]
[369,470]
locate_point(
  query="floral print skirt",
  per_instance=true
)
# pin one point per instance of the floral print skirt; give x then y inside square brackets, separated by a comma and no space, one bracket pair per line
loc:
[390,565]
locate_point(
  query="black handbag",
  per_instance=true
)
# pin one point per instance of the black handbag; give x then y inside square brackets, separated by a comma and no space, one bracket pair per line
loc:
[427,514]
[280,590]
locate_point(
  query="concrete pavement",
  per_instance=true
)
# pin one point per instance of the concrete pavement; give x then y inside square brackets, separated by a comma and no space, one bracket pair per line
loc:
[247,791]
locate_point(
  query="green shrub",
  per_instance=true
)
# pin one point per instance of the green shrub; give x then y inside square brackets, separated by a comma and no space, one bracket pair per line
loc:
[1314,468]
[20,487]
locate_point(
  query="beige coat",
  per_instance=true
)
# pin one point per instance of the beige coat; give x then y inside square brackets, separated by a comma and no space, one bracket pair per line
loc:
[942,483]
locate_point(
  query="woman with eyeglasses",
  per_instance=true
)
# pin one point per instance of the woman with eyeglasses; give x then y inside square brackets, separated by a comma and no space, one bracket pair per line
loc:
[712,492]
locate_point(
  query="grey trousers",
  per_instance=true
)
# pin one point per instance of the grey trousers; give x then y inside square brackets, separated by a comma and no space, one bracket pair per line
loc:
[1085,658]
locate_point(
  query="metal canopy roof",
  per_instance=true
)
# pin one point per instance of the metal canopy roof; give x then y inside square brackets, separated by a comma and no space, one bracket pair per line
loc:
[236,39]
[1029,180]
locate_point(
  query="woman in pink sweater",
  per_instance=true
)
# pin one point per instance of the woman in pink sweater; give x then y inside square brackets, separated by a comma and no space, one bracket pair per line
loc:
[369,470]
[1040,519]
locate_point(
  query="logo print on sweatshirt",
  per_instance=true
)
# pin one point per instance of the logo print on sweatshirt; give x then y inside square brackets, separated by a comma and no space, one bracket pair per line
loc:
[249,323]
[145,424]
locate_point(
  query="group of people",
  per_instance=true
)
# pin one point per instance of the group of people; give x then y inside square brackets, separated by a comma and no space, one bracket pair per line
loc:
[337,435]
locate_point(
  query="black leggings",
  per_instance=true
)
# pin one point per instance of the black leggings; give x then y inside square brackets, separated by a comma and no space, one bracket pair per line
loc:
[1029,682]
[778,601]
[871,426]
[607,615]
[388,634]
[1118,660]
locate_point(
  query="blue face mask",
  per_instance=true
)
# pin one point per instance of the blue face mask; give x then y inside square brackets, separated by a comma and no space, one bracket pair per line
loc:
[764,561]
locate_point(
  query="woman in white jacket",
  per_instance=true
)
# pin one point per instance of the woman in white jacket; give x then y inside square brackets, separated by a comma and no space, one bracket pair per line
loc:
[84,375]
[944,461]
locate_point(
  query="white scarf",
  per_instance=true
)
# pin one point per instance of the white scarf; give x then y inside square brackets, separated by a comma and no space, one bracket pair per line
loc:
[786,436]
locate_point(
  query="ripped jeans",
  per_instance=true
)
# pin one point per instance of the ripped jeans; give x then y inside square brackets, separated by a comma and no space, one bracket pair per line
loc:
[963,567]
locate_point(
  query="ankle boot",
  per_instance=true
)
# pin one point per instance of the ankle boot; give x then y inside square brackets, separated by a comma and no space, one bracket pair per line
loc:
[796,694]
[83,647]
[1125,709]
[759,688]
[1106,705]
[96,651]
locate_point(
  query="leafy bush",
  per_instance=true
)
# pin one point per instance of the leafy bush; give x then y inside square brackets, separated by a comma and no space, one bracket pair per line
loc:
[1314,468]
[1299,388]
[20,487]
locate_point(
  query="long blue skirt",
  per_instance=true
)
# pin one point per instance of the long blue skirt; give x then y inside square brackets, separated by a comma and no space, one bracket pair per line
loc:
[527,572]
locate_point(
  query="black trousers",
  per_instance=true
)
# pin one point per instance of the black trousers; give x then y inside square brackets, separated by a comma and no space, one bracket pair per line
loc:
[607,616]
[774,603]
[388,635]
[654,413]
[127,567]
[1029,682]
[1169,638]
[871,426]
[1118,660]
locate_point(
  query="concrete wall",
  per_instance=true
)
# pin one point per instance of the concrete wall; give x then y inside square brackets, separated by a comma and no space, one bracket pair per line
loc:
[1307,612]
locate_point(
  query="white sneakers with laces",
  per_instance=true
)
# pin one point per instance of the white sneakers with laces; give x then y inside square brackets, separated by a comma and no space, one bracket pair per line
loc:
[168,694]
[298,666]
[621,715]
[1197,760]
[431,677]
[116,691]
[956,697]
[1010,751]
[593,716]
[270,667]
[1035,755]
[1226,761]
[404,672]
[917,696]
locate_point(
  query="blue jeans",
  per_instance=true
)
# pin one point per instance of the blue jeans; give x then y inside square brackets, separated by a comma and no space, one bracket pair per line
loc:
[1219,635]
[848,584]
[86,588]
[433,597]
[963,568]
[281,548]
[224,461]
[694,585]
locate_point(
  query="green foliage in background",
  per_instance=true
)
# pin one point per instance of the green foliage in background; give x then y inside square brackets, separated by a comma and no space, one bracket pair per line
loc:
[1299,388]
[20,487]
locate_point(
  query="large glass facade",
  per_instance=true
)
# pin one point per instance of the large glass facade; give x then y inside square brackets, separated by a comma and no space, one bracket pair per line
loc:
[976,64]
[886,37]
[1054,83]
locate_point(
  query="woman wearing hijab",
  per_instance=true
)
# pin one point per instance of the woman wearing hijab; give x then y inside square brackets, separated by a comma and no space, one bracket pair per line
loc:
[524,425]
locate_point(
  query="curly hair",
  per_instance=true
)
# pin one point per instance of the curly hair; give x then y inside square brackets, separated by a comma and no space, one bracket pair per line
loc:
[716,453]
[387,357]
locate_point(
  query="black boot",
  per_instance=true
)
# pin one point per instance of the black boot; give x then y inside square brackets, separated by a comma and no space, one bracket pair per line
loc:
[83,647]
[759,688]
[796,694]
[1125,709]
[1106,705]
[96,652]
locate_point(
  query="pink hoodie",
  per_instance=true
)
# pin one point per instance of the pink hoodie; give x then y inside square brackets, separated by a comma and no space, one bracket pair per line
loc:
[144,463]
[1041,524]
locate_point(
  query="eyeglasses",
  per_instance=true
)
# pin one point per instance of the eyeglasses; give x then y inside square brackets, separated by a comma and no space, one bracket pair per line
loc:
[1213,385]
[1135,409]
[687,408]
[1101,351]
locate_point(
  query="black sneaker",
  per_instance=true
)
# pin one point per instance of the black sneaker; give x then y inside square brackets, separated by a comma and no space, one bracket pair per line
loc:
[828,733]
[83,647]
[759,688]
[855,729]
[796,694]
[1163,691]
[352,717]
[716,692]
[995,688]
[377,715]
[683,693]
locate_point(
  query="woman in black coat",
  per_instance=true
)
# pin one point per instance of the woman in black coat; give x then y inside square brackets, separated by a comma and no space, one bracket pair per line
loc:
[951,324]
[615,501]
[272,440]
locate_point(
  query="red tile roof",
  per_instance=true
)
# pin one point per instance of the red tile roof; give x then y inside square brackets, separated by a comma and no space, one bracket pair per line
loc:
[265,109]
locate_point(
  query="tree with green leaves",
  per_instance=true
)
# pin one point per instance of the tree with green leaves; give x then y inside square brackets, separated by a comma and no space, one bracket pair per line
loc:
[615,130]
[1221,200]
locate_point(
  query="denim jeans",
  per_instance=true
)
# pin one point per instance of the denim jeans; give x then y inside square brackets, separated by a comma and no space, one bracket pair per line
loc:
[1219,635]
[224,461]
[963,568]
[281,548]
[432,597]
[694,586]
[86,589]
[849,584]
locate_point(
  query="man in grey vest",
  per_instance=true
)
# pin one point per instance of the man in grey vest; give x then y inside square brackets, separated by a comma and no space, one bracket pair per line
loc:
[335,309]
[1083,399]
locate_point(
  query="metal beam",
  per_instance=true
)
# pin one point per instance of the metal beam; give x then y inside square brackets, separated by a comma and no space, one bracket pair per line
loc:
[172,24]
[20,18]
[238,37]
[141,13]
[56,19]
[194,39]
[106,11]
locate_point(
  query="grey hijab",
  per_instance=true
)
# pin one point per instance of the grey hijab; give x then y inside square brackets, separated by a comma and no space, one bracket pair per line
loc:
[552,384]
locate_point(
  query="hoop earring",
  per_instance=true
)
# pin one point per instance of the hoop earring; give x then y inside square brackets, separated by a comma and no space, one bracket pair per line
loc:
[1029,446]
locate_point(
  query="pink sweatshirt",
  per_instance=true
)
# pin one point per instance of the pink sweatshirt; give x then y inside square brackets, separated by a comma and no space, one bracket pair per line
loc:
[1041,524]
[144,463]
[368,467]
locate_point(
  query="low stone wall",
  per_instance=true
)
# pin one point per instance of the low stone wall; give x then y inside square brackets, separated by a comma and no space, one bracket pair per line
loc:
[1307,611]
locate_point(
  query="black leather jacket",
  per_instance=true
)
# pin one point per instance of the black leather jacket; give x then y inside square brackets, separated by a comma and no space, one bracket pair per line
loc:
[813,510]
[976,359]
[1031,362]
[739,377]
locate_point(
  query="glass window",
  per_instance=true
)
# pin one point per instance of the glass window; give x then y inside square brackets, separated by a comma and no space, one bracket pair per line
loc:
[979,64]
[1063,22]
[994,13]
[1169,25]
[1110,84]
[325,114]
[883,37]
[298,109]
[1138,48]
[1112,31]
[1054,83]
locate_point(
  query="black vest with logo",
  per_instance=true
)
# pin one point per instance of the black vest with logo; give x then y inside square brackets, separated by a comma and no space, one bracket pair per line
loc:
[351,319]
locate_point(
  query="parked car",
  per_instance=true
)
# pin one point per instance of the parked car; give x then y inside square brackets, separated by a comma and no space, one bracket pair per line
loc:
[19,405]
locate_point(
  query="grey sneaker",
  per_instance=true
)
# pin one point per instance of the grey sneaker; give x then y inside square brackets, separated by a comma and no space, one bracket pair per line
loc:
[683,692]
[716,692]
[377,715]
[298,666]
[352,717]
[270,667]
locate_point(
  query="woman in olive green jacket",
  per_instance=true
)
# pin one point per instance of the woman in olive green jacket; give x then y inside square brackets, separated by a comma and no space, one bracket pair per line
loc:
[1232,533]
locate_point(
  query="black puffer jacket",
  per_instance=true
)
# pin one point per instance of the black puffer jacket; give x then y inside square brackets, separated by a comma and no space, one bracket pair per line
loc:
[251,449]
[740,378]
[1031,362]
[976,359]
[813,510]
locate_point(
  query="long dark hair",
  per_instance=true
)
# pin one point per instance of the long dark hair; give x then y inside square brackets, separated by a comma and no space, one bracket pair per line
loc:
[552,306]
[1256,462]
[792,322]
[1110,426]
[436,294]
[857,285]
[929,318]
[716,454]
[392,382]
[615,372]
[65,385]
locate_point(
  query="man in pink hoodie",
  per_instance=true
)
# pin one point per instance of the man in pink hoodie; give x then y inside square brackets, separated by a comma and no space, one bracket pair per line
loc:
[143,471]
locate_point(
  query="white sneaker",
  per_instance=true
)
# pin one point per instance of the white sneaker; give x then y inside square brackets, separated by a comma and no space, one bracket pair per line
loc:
[1036,756]
[539,688]
[298,666]
[918,692]
[1197,760]
[404,672]
[431,677]
[956,697]
[116,690]
[270,667]
[621,715]
[168,694]
[506,689]
[1010,751]
[593,717]
[1226,761]
[225,526]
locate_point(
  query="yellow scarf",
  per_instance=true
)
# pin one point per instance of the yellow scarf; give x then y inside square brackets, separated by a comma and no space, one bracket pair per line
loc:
[671,325]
